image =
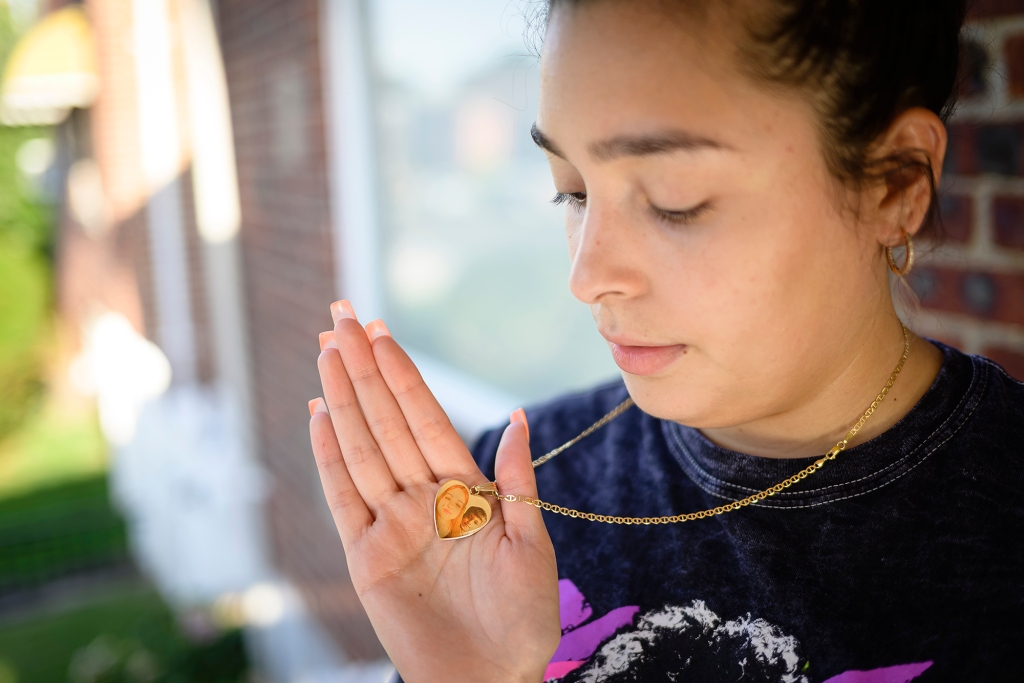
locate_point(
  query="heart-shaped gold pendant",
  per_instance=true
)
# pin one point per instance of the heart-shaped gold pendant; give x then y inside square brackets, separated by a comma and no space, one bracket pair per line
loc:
[459,513]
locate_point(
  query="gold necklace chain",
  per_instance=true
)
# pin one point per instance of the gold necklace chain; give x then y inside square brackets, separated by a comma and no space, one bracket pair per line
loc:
[492,488]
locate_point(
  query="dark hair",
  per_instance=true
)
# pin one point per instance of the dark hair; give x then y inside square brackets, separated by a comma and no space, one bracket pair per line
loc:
[474,512]
[862,63]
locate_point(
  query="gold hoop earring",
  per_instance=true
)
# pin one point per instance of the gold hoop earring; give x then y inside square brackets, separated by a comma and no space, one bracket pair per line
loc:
[908,263]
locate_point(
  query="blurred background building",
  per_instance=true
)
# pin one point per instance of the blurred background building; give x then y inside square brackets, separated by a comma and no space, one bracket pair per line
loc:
[186,185]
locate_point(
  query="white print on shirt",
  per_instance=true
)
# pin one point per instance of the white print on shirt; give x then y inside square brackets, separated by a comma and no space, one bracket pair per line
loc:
[685,643]
[760,646]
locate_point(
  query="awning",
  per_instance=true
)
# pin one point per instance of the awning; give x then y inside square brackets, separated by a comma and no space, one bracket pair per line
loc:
[51,70]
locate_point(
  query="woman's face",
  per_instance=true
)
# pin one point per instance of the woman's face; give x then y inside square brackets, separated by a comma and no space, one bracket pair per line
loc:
[704,228]
[450,504]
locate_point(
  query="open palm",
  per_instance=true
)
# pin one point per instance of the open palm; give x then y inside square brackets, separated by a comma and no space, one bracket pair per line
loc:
[478,608]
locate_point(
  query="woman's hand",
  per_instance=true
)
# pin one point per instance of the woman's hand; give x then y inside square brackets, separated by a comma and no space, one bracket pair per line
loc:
[472,609]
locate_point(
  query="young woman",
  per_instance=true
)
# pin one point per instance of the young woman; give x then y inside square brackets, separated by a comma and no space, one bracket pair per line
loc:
[736,176]
[448,510]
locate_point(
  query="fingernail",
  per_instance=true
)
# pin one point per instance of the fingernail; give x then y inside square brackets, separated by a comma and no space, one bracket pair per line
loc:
[342,309]
[327,341]
[317,405]
[519,415]
[377,328]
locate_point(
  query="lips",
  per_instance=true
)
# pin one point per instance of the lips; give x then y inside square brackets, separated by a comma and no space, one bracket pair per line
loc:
[645,360]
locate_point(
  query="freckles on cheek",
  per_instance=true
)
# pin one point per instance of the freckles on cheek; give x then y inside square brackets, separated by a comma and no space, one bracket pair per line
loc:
[573,226]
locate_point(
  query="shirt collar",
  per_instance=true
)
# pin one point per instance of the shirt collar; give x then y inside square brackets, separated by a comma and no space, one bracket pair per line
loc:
[728,475]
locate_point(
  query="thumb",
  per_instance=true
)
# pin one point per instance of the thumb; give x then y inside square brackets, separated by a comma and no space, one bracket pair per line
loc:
[513,471]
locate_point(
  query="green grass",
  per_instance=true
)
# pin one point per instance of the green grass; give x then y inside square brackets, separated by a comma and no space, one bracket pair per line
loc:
[55,513]
[121,635]
[52,446]
[124,635]
[58,531]
[40,649]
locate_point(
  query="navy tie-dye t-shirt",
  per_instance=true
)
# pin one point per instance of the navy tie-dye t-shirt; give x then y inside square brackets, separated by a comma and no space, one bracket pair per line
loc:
[902,560]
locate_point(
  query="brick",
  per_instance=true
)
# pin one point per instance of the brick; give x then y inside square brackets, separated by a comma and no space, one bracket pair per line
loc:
[997,149]
[1008,221]
[957,213]
[1012,361]
[959,158]
[978,149]
[984,295]
[992,9]
[1013,52]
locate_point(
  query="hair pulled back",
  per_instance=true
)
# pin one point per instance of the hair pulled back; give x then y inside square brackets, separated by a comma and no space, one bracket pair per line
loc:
[861,63]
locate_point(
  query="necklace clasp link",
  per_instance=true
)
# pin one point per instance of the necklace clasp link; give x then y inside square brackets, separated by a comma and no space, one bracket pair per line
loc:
[490,489]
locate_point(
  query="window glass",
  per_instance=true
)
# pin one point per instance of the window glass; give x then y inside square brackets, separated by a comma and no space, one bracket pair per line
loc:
[475,267]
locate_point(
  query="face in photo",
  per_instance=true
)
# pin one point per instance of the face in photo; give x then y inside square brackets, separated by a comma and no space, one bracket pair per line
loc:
[457,513]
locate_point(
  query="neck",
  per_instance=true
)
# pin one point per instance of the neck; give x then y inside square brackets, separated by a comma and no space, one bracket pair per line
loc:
[813,426]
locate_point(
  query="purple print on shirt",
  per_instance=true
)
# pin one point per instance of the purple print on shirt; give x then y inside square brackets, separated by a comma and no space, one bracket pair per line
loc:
[690,640]
[904,673]
[579,642]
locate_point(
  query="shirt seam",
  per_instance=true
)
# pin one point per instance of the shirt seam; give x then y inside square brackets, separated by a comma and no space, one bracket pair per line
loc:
[1000,369]
[886,482]
[923,444]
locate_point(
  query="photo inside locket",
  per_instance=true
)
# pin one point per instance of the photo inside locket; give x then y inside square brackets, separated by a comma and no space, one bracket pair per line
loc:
[458,513]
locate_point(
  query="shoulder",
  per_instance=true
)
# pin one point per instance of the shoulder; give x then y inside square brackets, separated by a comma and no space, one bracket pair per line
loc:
[1003,391]
[995,399]
[554,422]
[1000,410]
[982,432]
[980,384]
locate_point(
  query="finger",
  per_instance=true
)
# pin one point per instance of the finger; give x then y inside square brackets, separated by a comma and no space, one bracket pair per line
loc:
[364,461]
[514,473]
[350,513]
[381,411]
[442,447]
[519,415]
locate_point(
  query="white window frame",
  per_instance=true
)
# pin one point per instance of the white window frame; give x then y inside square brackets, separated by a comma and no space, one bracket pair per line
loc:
[471,404]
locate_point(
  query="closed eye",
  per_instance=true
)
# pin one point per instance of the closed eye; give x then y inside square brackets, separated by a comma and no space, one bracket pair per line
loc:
[682,215]
[577,200]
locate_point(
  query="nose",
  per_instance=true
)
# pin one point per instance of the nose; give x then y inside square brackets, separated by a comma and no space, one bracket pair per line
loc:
[606,251]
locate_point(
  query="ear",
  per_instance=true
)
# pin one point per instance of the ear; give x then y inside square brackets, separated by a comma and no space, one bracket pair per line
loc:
[918,138]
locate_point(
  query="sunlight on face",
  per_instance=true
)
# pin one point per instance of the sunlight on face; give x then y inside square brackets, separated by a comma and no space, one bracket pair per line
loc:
[703,226]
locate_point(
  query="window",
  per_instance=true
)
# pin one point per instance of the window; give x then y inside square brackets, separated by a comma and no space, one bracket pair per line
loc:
[472,264]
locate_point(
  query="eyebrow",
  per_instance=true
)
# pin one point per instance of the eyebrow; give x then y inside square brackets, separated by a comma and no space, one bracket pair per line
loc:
[634,145]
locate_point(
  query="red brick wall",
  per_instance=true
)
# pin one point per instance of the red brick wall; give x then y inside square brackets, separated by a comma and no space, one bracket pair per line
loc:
[272,57]
[972,286]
